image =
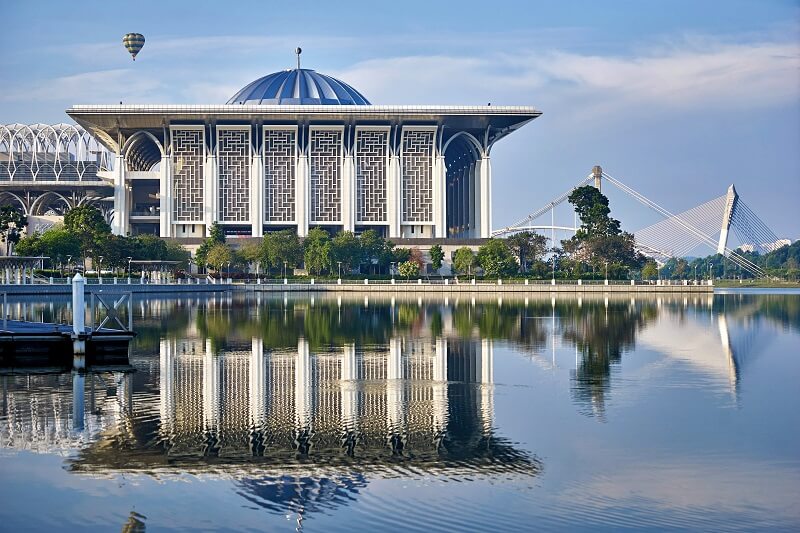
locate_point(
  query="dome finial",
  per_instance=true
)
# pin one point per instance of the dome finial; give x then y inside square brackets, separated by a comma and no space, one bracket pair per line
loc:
[298,51]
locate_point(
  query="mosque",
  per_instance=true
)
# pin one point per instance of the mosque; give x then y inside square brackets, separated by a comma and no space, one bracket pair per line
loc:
[295,149]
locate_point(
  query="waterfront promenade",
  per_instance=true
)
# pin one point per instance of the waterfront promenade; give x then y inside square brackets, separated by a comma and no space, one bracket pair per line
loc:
[517,286]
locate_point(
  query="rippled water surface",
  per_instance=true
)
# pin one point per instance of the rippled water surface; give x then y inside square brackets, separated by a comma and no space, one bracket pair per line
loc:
[247,412]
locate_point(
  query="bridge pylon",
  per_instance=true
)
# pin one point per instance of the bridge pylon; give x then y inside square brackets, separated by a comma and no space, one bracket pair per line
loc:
[597,174]
[727,216]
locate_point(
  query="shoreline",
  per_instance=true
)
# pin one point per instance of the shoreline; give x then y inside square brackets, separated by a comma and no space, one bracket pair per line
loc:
[372,288]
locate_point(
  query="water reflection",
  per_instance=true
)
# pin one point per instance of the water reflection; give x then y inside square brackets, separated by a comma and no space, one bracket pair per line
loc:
[303,401]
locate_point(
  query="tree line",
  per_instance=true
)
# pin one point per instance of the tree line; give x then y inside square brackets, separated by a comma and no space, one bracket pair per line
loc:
[85,234]
[599,249]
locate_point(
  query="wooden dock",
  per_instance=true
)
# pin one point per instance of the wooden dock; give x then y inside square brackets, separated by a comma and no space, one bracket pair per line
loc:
[31,344]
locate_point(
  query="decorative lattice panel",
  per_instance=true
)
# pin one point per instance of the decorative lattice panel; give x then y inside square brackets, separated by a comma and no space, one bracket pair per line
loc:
[417,162]
[279,175]
[233,163]
[371,151]
[326,183]
[187,175]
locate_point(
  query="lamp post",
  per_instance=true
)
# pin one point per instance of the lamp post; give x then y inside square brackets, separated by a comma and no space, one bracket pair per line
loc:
[391,268]
[69,260]
[285,264]
[340,268]
[100,269]
[129,266]
[229,269]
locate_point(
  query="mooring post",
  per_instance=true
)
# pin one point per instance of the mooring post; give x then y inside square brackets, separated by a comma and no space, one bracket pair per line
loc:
[78,324]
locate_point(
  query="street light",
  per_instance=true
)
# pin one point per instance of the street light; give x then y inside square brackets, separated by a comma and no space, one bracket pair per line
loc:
[285,264]
[69,260]
[129,266]
[100,269]
[229,269]
[340,269]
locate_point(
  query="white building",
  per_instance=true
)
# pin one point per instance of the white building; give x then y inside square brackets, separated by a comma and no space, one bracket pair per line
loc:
[298,149]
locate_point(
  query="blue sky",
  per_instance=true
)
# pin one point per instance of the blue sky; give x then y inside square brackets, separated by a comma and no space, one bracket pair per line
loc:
[678,99]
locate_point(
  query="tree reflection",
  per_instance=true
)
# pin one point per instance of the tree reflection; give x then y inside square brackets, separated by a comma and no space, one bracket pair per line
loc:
[601,332]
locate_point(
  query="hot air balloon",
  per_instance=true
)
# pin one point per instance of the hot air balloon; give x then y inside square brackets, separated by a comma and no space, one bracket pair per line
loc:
[133,42]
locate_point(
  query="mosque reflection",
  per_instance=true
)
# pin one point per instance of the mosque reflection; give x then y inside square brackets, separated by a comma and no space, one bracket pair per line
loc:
[302,401]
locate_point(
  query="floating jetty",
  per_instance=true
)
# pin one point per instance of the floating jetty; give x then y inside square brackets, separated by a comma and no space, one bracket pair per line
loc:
[41,344]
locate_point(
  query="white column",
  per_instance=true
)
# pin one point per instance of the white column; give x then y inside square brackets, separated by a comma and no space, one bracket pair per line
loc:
[349,193]
[211,190]
[484,171]
[394,189]
[119,225]
[473,216]
[302,180]
[165,198]
[257,196]
[439,197]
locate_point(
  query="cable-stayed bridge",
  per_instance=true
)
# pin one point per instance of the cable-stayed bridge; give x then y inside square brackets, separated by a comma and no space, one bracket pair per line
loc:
[710,224]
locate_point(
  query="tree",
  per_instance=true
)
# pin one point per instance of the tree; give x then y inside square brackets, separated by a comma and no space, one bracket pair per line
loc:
[148,247]
[464,260]
[250,252]
[281,248]
[592,207]
[527,247]
[12,222]
[57,243]
[176,252]
[650,270]
[215,236]
[400,255]
[415,256]
[317,250]
[437,256]
[374,249]
[219,255]
[345,249]
[600,241]
[88,224]
[496,258]
[408,269]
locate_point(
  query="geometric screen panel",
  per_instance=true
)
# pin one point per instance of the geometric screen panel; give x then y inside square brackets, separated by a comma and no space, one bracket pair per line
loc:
[233,164]
[279,175]
[417,174]
[325,158]
[371,152]
[187,176]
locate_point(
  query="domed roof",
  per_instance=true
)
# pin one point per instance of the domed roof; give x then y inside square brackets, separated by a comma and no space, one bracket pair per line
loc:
[298,86]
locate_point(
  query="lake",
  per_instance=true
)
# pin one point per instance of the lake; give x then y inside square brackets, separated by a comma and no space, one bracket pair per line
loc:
[264,412]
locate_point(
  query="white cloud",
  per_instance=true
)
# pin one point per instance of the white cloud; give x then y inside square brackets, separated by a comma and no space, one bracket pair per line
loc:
[687,76]
[105,86]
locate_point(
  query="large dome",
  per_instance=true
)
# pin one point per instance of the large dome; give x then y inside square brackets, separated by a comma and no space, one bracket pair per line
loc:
[298,86]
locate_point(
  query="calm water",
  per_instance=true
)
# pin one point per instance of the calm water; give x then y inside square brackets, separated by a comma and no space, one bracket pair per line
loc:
[318,414]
